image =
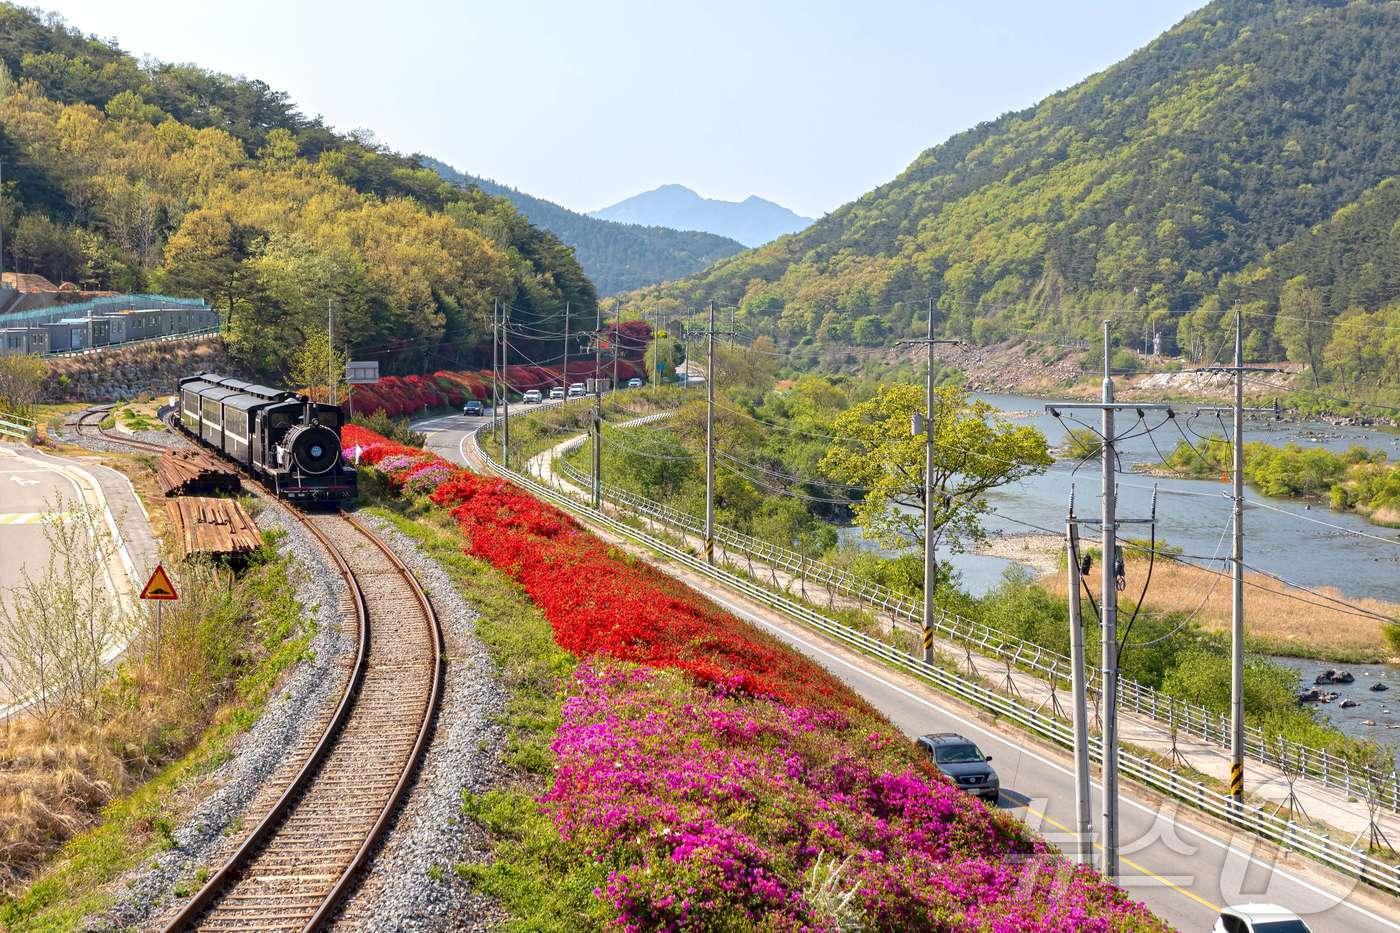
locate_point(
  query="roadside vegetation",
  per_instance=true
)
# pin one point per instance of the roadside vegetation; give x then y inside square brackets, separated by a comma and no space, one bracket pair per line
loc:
[1358,480]
[703,773]
[89,776]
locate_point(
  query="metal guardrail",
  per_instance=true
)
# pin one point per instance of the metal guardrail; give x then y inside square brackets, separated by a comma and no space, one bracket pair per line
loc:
[17,426]
[1285,833]
[1189,718]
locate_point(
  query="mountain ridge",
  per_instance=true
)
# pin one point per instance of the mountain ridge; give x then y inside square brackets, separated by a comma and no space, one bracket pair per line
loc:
[618,257]
[1167,184]
[753,221]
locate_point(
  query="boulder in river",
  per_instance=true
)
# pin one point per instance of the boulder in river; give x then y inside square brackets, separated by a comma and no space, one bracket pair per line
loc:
[1325,677]
[1378,687]
[1349,704]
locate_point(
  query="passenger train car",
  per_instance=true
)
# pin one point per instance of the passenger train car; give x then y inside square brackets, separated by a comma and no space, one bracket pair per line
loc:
[290,442]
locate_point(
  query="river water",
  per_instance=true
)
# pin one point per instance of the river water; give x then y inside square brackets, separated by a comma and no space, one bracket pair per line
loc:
[1306,546]
[1195,514]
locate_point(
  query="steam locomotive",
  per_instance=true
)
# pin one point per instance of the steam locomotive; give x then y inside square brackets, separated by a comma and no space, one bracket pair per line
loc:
[288,441]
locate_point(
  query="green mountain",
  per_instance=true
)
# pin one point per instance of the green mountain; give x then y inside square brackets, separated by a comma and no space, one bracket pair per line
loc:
[144,176]
[618,257]
[1246,146]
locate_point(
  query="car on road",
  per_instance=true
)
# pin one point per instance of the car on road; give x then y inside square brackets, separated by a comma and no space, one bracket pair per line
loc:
[1259,918]
[532,397]
[556,392]
[634,383]
[962,761]
[577,390]
[474,407]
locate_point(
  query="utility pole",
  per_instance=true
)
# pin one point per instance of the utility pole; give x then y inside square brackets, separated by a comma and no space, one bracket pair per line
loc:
[709,334]
[495,372]
[505,389]
[616,336]
[1108,608]
[1237,412]
[598,413]
[330,353]
[927,425]
[1083,828]
[656,352]
[566,349]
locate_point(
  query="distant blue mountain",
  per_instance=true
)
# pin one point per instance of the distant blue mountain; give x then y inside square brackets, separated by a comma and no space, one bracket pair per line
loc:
[752,221]
[618,257]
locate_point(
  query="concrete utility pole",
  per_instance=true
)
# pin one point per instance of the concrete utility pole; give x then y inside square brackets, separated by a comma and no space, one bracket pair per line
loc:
[505,388]
[927,425]
[330,353]
[1108,610]
[616,336]
[566,348]
[495,371]
[1237,412]
[655,352]
[1083,827]
[1110,625]
[709,334]
[598,412]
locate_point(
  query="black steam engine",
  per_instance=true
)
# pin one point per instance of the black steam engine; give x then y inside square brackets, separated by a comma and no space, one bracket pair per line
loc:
[287,440]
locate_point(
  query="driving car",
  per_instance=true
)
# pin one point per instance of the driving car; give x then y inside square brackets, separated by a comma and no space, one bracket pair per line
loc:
[473,407]
[634,383]
[532,397]
[556,392]
[577,390]
[962,761]
[1259,918]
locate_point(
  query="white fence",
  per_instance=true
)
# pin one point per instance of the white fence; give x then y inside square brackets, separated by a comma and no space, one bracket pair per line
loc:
[1284,832]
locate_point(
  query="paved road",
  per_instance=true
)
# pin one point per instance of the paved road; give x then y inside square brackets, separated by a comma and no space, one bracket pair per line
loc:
[1183,867]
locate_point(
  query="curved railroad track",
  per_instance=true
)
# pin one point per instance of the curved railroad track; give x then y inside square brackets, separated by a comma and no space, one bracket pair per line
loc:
[292,871]
[89,423]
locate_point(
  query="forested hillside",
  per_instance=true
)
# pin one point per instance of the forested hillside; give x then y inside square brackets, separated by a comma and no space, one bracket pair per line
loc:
[138,176]
[618,257]
[1246,147]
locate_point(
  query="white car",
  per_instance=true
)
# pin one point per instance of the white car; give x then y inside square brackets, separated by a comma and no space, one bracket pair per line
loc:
[577,390]
[532,397]
[556,392]
[1259,918]
[634,383]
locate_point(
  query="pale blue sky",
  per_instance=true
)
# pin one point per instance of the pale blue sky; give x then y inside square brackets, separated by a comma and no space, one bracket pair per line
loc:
[807,103]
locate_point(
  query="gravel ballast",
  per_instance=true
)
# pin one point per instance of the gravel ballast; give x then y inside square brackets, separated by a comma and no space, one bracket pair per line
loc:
[410,884]
[305,698]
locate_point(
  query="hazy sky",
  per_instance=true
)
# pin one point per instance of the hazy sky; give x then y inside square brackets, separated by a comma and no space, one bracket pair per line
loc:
[586,102]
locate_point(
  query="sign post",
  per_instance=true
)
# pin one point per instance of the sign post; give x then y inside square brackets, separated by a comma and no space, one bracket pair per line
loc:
[161,590]
[359,373]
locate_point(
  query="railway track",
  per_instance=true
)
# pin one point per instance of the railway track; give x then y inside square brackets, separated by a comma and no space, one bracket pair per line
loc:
[89,423]
[305,855]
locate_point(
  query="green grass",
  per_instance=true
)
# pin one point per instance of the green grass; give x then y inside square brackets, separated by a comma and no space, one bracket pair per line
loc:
[543,883]
[137,825]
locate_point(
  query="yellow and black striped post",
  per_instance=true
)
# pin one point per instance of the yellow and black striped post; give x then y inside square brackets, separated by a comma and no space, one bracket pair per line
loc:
[928,641]
[709,550]
[1237,782]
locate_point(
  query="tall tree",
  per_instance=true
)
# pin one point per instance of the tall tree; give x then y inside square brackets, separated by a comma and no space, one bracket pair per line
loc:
[975,451]
[1301,326]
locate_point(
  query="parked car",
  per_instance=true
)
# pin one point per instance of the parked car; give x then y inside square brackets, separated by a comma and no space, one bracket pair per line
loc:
[634,383]
[474,407]
[1259,918]
[960,759]
[577,390]
[556,392]
[532,397]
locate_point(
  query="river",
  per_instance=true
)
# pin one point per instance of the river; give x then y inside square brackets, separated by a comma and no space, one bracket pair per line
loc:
[1195,514]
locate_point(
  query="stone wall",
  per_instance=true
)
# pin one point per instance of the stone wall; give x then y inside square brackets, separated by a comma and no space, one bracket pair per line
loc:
[127,372]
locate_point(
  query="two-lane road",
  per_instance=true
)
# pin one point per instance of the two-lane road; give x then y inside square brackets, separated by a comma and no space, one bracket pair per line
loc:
[1182,866]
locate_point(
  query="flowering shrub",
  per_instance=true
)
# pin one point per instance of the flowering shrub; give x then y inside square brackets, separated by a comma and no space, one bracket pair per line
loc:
[712,770]
[709,809]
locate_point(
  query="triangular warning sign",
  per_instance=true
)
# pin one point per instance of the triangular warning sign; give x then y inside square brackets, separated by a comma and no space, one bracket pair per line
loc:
[159,586]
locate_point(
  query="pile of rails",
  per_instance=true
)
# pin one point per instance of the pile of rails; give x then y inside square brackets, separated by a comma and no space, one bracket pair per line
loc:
[206,525]
[194,472]
[201,524]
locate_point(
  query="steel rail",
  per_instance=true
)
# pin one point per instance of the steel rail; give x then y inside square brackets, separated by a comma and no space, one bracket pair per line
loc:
[258,842]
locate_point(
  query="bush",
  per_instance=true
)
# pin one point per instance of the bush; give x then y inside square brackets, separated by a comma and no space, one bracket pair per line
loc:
[395,429]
